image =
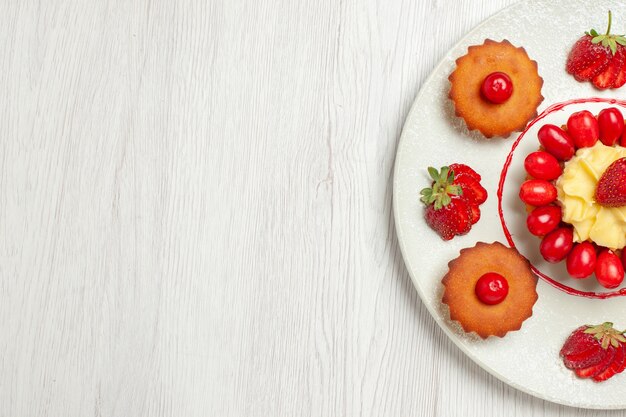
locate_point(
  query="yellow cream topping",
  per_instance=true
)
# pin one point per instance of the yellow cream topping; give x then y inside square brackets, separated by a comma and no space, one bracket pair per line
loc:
[576,188]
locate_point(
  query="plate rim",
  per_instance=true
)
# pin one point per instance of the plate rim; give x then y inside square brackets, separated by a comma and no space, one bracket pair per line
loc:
[400,230]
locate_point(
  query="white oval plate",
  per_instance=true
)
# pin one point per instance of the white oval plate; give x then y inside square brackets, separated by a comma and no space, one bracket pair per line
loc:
[527,359]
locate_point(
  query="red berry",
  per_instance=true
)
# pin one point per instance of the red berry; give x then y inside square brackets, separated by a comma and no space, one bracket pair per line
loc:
[491,288]
[543,166]
[581,261]
[607,360]
[450,220]
[608,76]
[475,213]
[597,57]
[583,128]
[464,170]
[586,59]
[447,212]
[537,192]
[556,141]
[611,188]
[596,352]
[579,342]
[497,87]
[611,124]
[557,244]
[452,200]
[584,350]
[616,365]
[609,269]
[621,77]
[585,358]
[622,366]
[472,190]
[543,220]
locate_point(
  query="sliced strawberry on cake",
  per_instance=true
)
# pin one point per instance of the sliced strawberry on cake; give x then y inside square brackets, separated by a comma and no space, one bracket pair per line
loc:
[611,188]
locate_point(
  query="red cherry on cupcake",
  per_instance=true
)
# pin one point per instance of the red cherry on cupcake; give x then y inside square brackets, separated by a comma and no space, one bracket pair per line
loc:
[583,128]
[557,244]
[542,166]
[556,141]
[581,261]
[491,288]
[497,87]
[611,123]
[609,269]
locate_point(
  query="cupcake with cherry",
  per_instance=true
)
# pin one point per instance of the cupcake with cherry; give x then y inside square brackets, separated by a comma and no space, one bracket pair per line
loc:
[489,289]
[575,193]
[496,88]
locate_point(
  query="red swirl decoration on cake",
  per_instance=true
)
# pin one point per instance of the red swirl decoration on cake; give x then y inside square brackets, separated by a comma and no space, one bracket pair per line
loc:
[552,109]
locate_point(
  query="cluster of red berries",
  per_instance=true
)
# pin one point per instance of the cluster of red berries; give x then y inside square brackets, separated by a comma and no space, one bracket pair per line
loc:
[545,166]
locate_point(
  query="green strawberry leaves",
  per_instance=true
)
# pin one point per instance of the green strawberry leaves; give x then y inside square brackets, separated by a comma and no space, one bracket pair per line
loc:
[607,40]
[442,188]
[606,334]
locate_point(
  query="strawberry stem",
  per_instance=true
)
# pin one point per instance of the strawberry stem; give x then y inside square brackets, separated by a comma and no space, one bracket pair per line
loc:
[608,29]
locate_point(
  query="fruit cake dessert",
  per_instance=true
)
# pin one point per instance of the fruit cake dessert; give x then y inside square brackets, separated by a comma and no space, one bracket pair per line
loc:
[496,88]
[489,289]
[576,195]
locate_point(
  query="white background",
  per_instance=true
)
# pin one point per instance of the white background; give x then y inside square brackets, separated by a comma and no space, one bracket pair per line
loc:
[195,212]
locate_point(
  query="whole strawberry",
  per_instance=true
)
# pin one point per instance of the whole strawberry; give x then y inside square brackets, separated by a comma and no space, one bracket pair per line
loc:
[599,59]
[611,188]
[452,202]
[596,352]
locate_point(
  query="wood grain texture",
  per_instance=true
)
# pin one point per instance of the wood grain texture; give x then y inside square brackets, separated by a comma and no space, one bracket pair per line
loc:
[195,212]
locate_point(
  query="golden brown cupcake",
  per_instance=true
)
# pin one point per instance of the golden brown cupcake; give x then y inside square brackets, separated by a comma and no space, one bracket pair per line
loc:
[496,88]
[490,289]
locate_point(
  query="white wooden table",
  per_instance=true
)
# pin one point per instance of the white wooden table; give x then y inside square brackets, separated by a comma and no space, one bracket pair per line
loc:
[195,212]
